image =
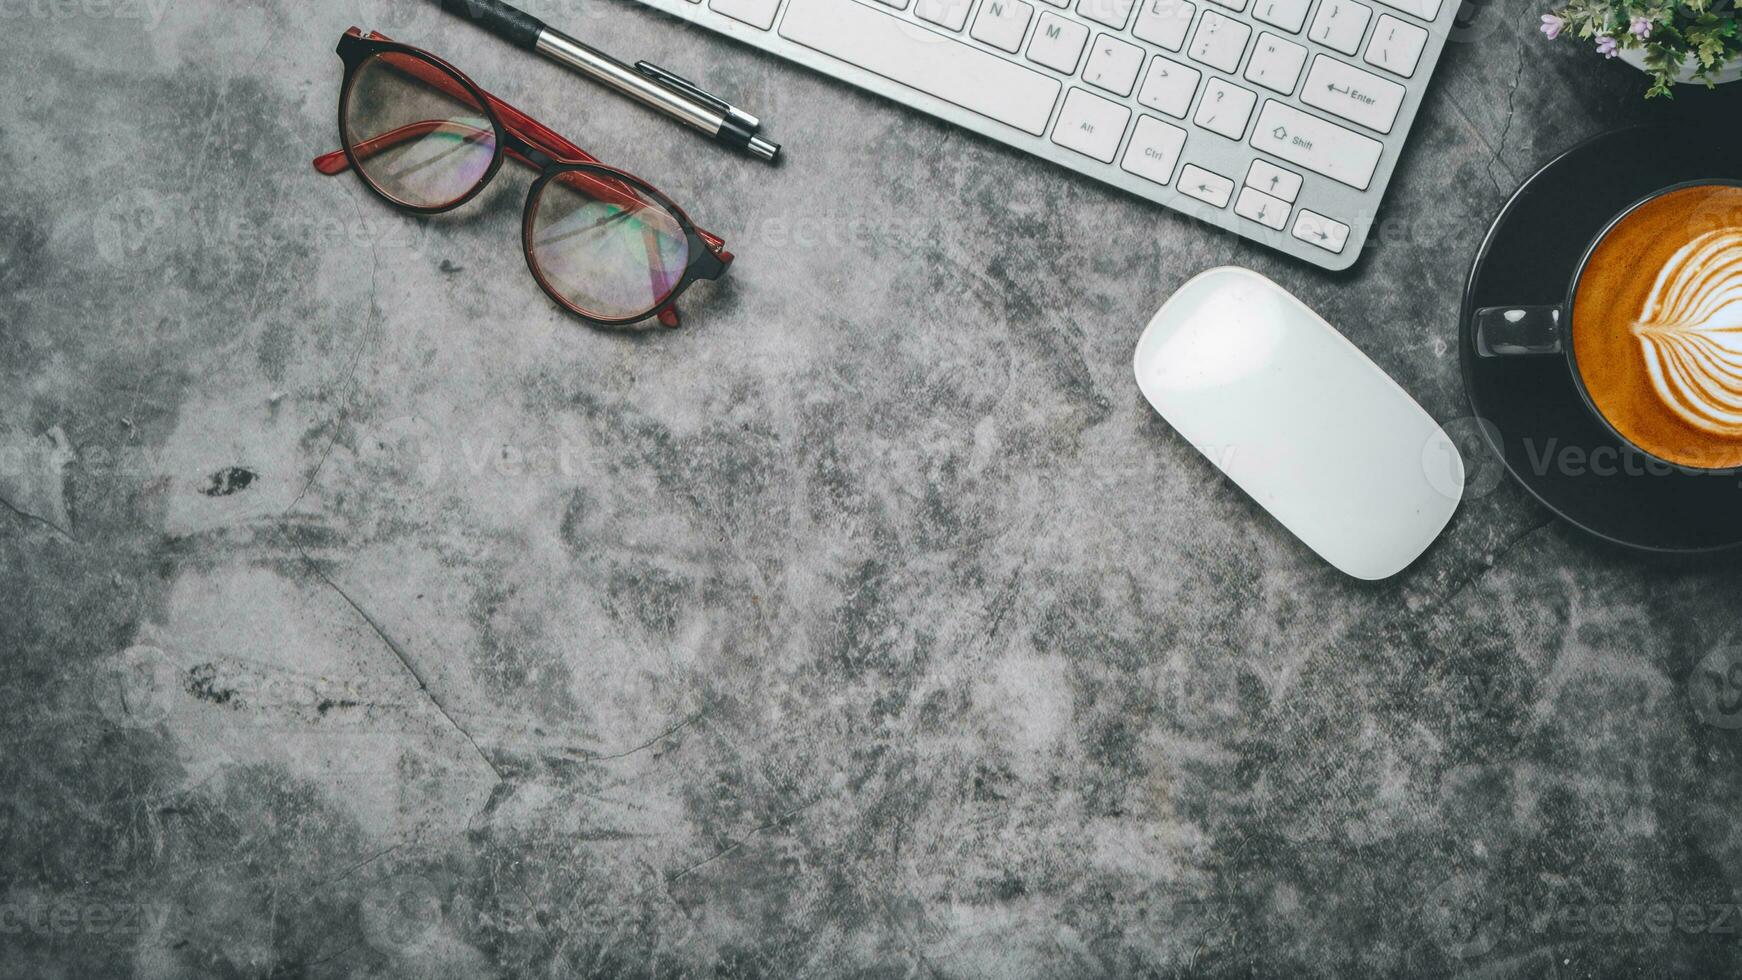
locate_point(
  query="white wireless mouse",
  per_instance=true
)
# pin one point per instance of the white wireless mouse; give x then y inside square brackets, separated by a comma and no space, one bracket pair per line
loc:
[1301,420]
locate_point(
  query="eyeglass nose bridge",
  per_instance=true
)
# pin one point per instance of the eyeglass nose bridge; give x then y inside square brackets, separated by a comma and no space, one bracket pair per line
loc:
[525,151]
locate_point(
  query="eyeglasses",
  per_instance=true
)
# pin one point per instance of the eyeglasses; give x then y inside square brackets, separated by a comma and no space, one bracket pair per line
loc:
[424,138]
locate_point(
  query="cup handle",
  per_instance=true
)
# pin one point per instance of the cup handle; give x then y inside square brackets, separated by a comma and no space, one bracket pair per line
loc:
[1509,331]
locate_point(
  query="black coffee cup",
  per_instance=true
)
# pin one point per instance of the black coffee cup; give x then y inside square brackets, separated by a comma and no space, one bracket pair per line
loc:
[1547,331]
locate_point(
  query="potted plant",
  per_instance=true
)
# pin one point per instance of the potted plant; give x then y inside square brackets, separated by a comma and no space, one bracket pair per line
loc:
[1696,41]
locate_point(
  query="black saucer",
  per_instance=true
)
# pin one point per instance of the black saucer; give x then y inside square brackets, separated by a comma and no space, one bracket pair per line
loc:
[1531,413]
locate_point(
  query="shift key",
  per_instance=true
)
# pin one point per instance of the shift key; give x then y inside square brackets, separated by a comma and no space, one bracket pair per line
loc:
[1320,146]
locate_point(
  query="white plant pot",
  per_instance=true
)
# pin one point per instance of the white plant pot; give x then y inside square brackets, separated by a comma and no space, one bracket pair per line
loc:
[1729,73]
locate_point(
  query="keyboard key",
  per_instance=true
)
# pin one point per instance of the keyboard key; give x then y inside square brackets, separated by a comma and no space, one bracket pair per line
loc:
[1091,125]
[1114,65]
[1136,105]
[1273,180]
[1110,13]
[1340,24]
[1002,23]
[1321,231]
[1058,43]
[923,59]
[1211,188]
[1396,46]
[1425,9]
[1154,149]
[1169,87]
[1275,63]
[1164,22]
[1258,206]
[757,13]
[1316,144]
[1356,95]
[1286,14]
[1221,40]
[952,14]
[1225,108]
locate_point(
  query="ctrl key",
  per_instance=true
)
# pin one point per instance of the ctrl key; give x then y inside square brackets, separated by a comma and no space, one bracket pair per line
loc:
[1154,149]
[1316,229]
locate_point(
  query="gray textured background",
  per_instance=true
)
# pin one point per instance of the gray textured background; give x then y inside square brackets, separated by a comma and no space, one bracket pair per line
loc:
[870,625]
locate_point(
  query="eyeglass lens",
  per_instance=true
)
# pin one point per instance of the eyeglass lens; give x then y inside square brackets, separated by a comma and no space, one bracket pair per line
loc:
[606,246]
[418,135]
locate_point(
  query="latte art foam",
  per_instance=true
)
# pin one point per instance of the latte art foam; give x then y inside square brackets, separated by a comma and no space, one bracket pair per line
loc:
[1690,333]
[1657,326]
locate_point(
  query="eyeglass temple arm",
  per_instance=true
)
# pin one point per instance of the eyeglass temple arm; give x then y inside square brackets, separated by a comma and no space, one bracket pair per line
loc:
[529,130]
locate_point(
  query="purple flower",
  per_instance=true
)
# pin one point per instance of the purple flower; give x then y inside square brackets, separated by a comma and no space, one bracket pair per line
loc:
[1553,25]
[1641,28]
[1607,46]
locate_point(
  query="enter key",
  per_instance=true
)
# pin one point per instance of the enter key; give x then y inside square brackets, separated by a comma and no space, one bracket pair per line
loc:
[1358,96]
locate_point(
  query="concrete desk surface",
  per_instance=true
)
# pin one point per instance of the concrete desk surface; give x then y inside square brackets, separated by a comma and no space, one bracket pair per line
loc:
[363,615]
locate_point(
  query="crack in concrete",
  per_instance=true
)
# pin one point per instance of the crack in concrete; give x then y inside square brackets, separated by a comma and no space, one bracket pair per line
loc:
[740,842]
[1511,111]
[655,740]
[360,865]
[1005,600]
[350,375]
[28,516]
[1493,562]
[405,661]
[321,463]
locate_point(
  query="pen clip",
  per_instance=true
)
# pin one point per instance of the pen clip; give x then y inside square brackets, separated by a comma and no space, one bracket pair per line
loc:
[672,79]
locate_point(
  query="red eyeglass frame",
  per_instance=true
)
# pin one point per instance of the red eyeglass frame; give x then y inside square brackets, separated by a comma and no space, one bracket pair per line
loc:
[527,141]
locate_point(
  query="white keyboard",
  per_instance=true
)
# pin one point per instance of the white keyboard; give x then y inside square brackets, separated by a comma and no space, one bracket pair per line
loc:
[1280,120]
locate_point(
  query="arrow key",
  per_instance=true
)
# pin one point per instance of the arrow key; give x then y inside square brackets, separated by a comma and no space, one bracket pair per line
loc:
[1273,180]
[1316,229]
[1211,188]
[1258,206]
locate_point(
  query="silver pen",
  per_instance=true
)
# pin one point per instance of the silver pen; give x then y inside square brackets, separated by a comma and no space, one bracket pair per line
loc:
[646,83]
